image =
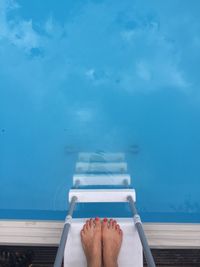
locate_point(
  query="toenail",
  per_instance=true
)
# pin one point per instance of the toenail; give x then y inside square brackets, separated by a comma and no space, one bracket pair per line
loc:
[97,218]
[105,219]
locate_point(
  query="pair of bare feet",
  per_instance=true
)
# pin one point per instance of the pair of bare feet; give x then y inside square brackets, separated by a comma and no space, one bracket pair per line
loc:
[101,242]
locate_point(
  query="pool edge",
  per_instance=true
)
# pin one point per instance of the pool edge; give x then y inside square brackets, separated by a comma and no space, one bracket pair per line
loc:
[47,233]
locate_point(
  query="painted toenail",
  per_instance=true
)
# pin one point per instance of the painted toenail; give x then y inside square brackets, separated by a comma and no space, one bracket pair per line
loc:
[97,218]
[105,219]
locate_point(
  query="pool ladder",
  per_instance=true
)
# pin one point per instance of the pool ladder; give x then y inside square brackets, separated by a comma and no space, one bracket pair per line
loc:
[96,169]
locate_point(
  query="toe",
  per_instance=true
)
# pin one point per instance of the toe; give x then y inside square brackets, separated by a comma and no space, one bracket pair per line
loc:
[105,223]
[88,225]
[85,228]
[91,222]
[114,223]
[117,227]
[97,223]
[110,223]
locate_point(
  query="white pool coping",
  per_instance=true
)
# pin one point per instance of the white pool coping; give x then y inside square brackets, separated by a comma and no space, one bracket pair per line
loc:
[47,233]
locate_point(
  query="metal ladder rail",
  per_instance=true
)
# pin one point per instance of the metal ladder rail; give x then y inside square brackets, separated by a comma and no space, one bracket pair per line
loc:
[65,232]
[138,224]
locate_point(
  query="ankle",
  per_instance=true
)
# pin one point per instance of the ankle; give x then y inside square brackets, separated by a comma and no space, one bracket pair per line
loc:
[93,263]
[110,263]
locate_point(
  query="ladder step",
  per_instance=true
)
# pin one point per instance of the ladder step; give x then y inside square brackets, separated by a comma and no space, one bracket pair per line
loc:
[101,156]
[100,179]
[131,253]
[102,195]
[120,167]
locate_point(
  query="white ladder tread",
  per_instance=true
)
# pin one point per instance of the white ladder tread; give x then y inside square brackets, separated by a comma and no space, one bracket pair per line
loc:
[130,253]
[101,167]
[102,195]
[100,179]
[92,156]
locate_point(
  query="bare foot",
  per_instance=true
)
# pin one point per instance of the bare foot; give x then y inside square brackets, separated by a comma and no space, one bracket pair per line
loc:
[91,242]
[111,242]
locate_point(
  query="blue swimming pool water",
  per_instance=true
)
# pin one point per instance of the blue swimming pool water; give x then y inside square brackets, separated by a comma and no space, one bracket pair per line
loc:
[99,76]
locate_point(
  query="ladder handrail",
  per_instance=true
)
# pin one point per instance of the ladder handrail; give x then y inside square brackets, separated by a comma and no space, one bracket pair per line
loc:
[65,232]
[143,239]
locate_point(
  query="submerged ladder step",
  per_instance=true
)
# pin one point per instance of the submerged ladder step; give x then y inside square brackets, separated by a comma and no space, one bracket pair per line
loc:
[116,167]
[102,195]
[101,179]
[101,156]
